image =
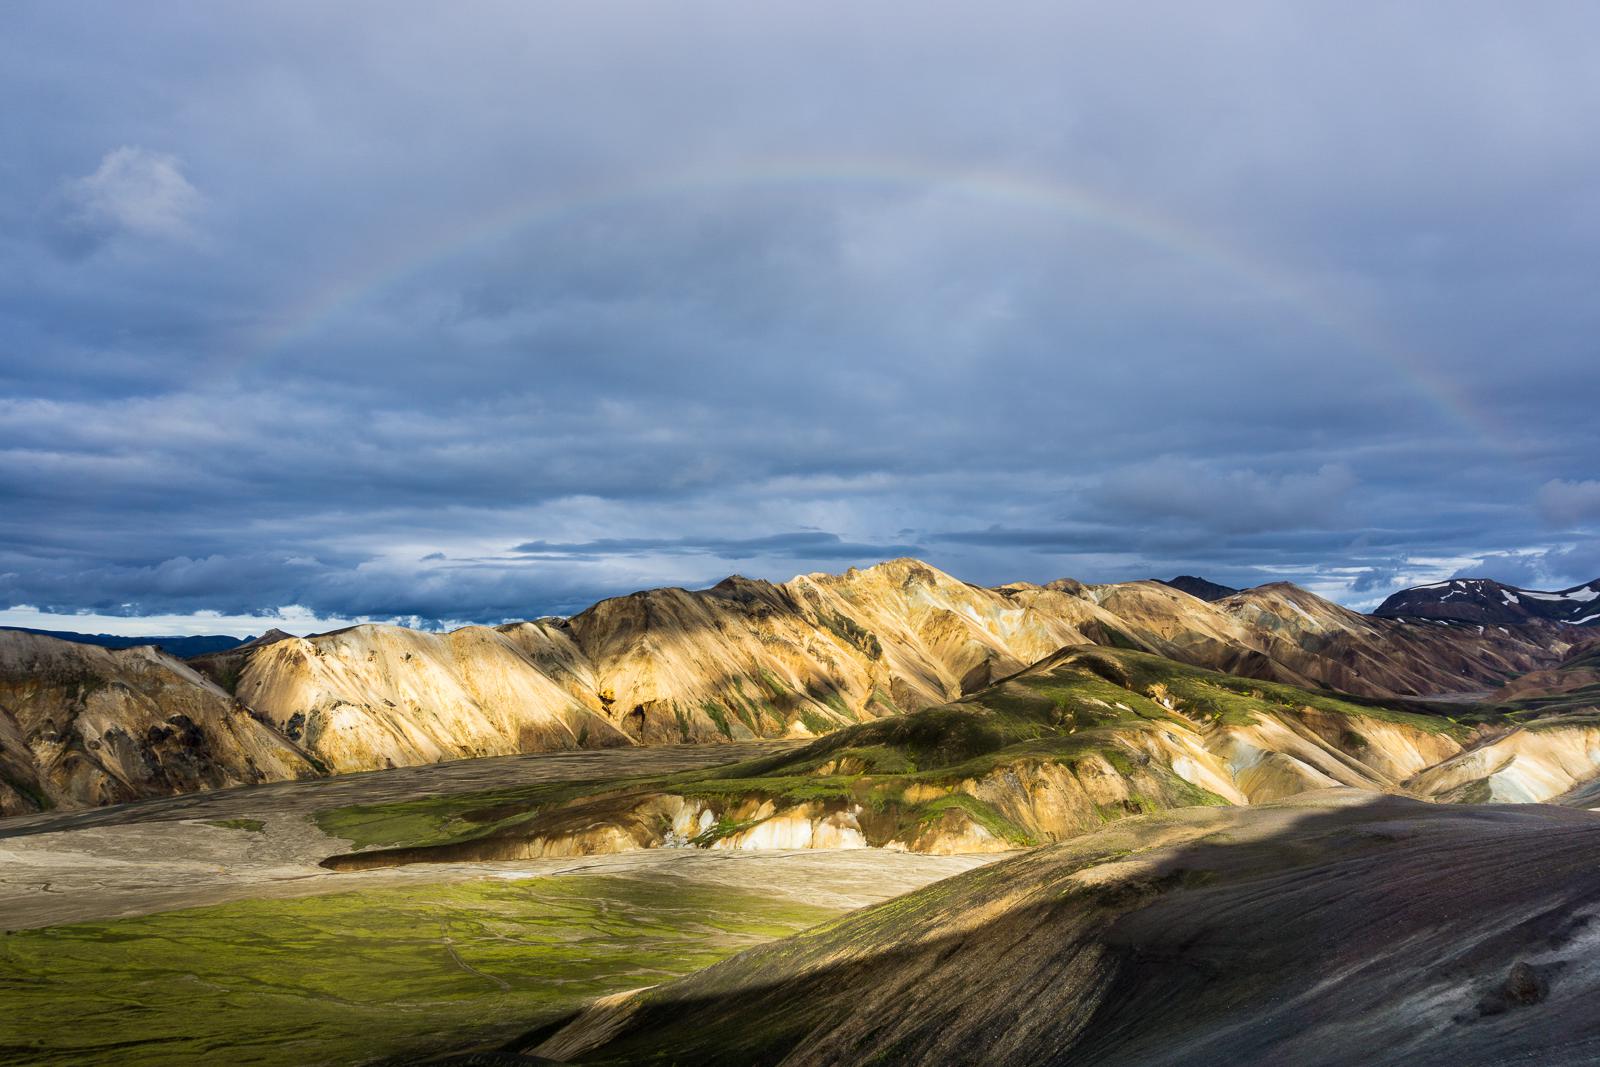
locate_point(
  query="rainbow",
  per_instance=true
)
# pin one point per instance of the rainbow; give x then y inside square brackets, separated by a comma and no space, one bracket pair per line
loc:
[303,321]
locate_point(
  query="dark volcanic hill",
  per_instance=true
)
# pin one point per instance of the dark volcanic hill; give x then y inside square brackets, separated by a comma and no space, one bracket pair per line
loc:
[1336,929]
[1199,587]
[1486,601]
[181,647]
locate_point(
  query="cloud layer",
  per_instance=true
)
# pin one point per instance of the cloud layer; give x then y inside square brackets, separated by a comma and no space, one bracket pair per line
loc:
[136,192]
[486,312]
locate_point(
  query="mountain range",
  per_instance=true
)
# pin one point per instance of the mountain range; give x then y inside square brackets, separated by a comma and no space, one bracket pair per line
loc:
[1485,601]
[81,725]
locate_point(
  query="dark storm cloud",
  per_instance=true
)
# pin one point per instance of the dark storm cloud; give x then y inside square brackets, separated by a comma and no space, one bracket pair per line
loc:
[334,306]
[1570,503]
[802,545]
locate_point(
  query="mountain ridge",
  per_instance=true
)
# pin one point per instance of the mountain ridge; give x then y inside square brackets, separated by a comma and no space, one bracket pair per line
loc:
[1492,603]
[741,660]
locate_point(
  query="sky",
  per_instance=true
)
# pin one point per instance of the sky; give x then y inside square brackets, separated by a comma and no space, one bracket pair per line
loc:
[484,311]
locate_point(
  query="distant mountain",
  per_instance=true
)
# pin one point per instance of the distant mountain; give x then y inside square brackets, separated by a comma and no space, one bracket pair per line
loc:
[1199,587]
[181,647]
[1488,602]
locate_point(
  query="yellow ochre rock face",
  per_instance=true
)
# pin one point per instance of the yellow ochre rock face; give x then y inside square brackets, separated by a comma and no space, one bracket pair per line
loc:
[382,696]
[82,726]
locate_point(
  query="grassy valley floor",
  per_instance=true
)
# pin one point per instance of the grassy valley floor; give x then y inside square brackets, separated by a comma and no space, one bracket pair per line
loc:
[200,929]
[357,977]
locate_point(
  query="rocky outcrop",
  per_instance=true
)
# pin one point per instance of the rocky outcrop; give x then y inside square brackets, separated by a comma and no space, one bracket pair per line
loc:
[82,725]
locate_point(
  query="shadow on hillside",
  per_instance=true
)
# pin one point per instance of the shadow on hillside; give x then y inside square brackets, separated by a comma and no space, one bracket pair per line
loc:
[1349,931]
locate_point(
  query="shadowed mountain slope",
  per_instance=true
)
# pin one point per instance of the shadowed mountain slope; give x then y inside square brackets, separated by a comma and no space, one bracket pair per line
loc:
[1306,932]
[1574,685]
[1284,633]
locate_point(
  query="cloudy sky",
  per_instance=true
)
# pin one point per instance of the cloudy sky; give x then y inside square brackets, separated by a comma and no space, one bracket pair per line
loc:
[486,310]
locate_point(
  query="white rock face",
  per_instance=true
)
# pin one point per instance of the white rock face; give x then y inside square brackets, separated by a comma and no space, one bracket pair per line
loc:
[1526,766]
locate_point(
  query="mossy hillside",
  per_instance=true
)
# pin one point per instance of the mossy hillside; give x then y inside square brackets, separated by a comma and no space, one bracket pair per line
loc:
[1585,714]
[353,977]
[1214,697]
[430,820]
[1548,709]
[979,813]
[1087,703]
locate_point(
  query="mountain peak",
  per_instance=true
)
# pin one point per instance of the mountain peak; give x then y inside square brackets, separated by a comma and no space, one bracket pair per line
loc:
[1199,587]
[1491,603]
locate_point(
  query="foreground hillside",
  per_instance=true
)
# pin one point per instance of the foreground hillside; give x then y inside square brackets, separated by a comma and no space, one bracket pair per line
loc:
[1306,932]
[741,660]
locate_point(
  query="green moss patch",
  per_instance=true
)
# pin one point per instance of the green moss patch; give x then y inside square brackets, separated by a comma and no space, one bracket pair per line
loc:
[455,817]
[985,815]
[353,977]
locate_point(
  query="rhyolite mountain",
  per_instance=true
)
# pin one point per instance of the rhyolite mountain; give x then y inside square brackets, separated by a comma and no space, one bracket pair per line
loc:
[743,659]
[1087,736]
[747,659]
[1199,587]
[82,725]
[1491,603]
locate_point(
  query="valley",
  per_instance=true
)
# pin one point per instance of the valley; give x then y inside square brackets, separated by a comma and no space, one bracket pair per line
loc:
[171,931]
